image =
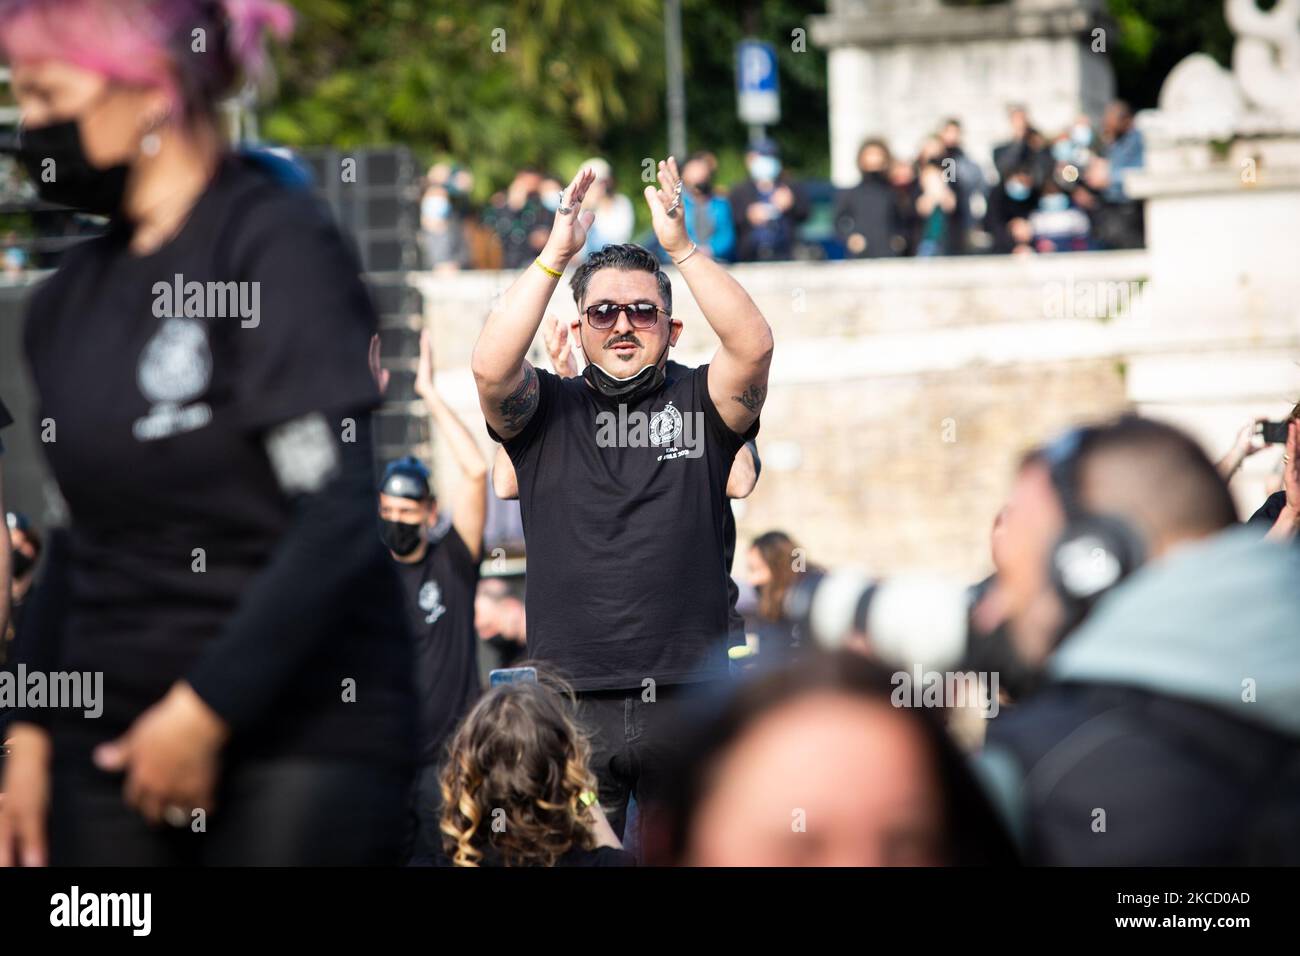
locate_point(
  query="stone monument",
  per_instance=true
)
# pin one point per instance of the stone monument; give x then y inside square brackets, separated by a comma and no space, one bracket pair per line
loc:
[1222,192]
[898,68]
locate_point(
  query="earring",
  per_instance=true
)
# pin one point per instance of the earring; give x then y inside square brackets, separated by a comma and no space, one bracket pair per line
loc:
[150,143]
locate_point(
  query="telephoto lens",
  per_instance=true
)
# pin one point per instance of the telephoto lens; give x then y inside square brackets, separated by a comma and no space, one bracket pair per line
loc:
[915,618]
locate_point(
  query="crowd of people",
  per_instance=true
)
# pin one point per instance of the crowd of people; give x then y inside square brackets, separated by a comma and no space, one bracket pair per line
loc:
[289,637]
[1046,193]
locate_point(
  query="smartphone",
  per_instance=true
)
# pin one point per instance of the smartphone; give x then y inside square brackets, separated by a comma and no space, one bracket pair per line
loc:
[509,675]
[1273,433]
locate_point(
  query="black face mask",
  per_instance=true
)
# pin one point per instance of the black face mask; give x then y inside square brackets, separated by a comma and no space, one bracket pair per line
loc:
[645,382]
[22,564]
[401,538]
[70,180]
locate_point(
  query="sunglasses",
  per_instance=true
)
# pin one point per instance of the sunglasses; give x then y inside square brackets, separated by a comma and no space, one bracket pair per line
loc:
[642,315]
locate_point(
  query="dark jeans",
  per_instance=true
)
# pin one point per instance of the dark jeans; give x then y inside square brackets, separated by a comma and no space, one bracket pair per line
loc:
[423,838]
[633,742]
[291,811]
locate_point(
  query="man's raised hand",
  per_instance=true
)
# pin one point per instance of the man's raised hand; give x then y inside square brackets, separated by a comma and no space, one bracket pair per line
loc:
[569,231]
[666,212]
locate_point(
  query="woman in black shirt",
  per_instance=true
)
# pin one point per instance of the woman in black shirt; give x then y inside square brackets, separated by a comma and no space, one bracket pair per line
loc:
[204,366]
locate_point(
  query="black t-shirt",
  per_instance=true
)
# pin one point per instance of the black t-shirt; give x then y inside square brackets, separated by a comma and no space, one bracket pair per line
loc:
[626,572]
[161,417]
[1269,510]
[440,604]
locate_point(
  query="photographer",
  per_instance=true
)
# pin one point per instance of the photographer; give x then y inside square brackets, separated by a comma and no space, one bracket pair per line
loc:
[1159,687]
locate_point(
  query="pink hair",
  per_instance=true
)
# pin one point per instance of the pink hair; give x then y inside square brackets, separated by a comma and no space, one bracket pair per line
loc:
[135,41]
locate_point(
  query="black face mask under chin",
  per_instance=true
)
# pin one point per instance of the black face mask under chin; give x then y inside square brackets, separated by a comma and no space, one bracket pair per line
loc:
[645,382]
[55,159]
[399,537]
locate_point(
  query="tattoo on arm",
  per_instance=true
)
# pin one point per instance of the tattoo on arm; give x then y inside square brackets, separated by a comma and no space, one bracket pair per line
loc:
[517,407]
[753,397]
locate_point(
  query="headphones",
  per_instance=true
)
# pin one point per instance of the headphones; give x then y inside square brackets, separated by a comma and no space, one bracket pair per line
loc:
[1095,552]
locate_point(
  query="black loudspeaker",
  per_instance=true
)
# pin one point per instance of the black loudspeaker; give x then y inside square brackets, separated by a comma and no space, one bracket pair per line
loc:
[375,196]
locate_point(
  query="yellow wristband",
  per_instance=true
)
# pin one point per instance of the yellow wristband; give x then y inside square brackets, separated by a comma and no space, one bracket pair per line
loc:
[547,269]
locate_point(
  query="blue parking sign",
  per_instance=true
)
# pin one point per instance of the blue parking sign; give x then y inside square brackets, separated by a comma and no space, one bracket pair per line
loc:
[758,99]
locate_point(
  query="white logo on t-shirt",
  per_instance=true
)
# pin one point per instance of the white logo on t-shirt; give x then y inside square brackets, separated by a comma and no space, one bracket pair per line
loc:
[665,426]
[430,600]
[175,367]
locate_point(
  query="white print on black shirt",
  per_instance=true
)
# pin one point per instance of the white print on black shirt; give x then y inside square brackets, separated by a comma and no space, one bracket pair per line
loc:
[133,910]
[660,430]
[175,367]
[302,454]
[430,600]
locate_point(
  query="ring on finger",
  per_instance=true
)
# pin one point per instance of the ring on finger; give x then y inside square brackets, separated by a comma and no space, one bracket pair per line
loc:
[175,815]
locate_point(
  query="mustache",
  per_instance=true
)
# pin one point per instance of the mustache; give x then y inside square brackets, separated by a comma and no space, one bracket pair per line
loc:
[620,339]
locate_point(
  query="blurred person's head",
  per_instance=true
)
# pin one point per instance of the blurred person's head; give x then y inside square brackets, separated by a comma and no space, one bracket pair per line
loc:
[873,157]
[603,184]
[435,205]
[550,190]
[902,174]
[763,161]
[497,612]
[1116,120]
[1019,184]
[771,565]
[697,173]
[1090,507]
[462,181]
[109,88]
[933,176]
[950,134]
[814,765]
[1081,133]
[526,186]
[515,778]
[931,150]
[1018,119]
[407,508]
[439,174]
[631,351]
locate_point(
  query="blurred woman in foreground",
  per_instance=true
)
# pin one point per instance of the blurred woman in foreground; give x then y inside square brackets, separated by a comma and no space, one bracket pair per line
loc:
[205,363]
[814,765]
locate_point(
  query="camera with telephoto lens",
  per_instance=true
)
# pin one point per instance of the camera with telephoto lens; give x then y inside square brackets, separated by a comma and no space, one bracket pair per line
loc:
[916,618]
